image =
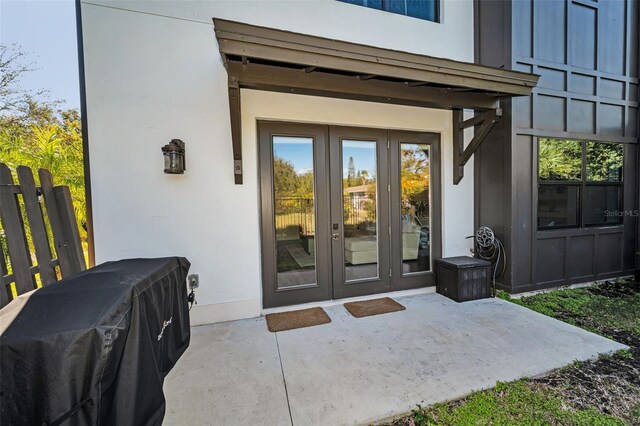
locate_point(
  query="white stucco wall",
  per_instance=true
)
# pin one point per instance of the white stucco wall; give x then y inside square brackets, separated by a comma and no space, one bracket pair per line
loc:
[153,73]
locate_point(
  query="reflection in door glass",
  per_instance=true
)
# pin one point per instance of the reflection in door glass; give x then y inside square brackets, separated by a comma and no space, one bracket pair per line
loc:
[359,188]
[294,213]
[415,174]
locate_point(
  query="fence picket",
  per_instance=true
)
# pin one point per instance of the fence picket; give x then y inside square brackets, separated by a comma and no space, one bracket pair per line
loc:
[14,232]
[36,224]
[70,229]
[5,291]
[66,236]
[46,182]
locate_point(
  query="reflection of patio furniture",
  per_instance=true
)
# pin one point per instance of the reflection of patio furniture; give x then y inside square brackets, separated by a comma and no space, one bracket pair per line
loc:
[364,249]
[289,232]
[359,250]
[309,244]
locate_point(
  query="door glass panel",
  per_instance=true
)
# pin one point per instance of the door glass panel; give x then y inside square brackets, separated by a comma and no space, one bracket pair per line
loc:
[415,185]
[293,191]
[360,195]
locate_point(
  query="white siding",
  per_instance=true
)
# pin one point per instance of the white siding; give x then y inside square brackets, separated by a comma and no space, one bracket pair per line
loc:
[158,75]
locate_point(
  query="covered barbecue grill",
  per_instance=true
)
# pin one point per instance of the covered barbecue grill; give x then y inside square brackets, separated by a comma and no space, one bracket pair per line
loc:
[95,348]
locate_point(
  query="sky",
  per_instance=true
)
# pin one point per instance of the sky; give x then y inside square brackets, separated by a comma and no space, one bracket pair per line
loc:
[299,152]
[46,32]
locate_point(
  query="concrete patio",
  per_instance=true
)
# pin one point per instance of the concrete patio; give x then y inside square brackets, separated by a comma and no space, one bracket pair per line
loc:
[355,371]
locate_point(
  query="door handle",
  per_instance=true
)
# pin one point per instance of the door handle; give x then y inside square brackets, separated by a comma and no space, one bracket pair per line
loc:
[335,236]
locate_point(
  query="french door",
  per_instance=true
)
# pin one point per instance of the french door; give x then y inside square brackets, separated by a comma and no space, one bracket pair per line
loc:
[346,211]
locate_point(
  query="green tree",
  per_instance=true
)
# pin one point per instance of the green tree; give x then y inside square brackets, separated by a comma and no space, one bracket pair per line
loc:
[414,172]
[34,132]
[604,161]
[351,172]
[284,177]
[559,159]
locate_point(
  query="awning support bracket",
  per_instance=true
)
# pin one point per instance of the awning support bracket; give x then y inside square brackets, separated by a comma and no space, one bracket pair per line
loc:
[483,122]
[236,128]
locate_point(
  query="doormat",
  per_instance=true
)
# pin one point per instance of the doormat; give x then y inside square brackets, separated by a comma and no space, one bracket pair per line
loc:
[300,255]
[297,319]
[367,308]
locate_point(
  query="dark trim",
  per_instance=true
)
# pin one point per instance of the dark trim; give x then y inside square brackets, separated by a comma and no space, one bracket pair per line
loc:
[85,136]
[342,287]
[561,283]
[400,280]
[556,134]
[330,273]
[235,111]
[437,12]
[275,60]
[582,184]
[356,87]
[236,39]
[272,296]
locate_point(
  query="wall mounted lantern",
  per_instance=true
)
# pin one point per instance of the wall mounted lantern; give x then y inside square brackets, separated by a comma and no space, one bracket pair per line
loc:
[174,162]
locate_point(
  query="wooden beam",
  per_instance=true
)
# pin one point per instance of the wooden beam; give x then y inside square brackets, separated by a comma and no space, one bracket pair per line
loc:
[458,145]
[473,121]
[491,118]
[240,39]
[236,127]
[461,155]
[319,83]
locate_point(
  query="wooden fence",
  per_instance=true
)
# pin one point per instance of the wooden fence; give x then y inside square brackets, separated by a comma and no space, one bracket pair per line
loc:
[24,245]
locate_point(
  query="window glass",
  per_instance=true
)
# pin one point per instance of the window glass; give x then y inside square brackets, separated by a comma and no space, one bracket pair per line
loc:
[604,162]
[569,198]
[422,9]
[395,6]
[558,205]
[294,219]
[360,211]
[559,160]
[374,4]
[415,185]
[602,205]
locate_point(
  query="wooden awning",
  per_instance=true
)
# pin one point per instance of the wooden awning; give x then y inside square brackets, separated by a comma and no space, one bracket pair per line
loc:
[276,60]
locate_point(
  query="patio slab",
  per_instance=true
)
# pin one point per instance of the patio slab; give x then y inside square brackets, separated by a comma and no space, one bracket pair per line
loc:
[354,371]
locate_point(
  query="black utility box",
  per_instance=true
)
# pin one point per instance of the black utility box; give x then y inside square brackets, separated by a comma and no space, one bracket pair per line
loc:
[463,278]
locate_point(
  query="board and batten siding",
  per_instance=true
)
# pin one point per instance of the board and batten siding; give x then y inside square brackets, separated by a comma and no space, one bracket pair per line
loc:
[586,54]
[153,72]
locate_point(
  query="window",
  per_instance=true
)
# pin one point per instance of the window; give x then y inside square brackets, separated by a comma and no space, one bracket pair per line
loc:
[579,183]
[422,9]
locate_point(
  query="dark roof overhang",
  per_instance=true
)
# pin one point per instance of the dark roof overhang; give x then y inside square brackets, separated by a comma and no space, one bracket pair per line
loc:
[276,60]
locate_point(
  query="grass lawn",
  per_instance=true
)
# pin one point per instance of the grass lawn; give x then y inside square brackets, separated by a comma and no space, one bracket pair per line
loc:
[605,391]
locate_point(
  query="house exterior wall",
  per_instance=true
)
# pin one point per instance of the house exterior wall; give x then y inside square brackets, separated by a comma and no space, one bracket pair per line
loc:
[153,73]
[587,56]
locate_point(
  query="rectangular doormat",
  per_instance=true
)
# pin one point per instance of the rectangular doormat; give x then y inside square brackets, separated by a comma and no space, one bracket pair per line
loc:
[368,308]
[297,319]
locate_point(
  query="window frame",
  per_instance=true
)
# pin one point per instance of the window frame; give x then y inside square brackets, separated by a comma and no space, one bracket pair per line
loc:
[437,13]
[582,186]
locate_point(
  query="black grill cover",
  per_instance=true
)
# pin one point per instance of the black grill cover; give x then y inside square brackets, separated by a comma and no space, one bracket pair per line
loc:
[94,349]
